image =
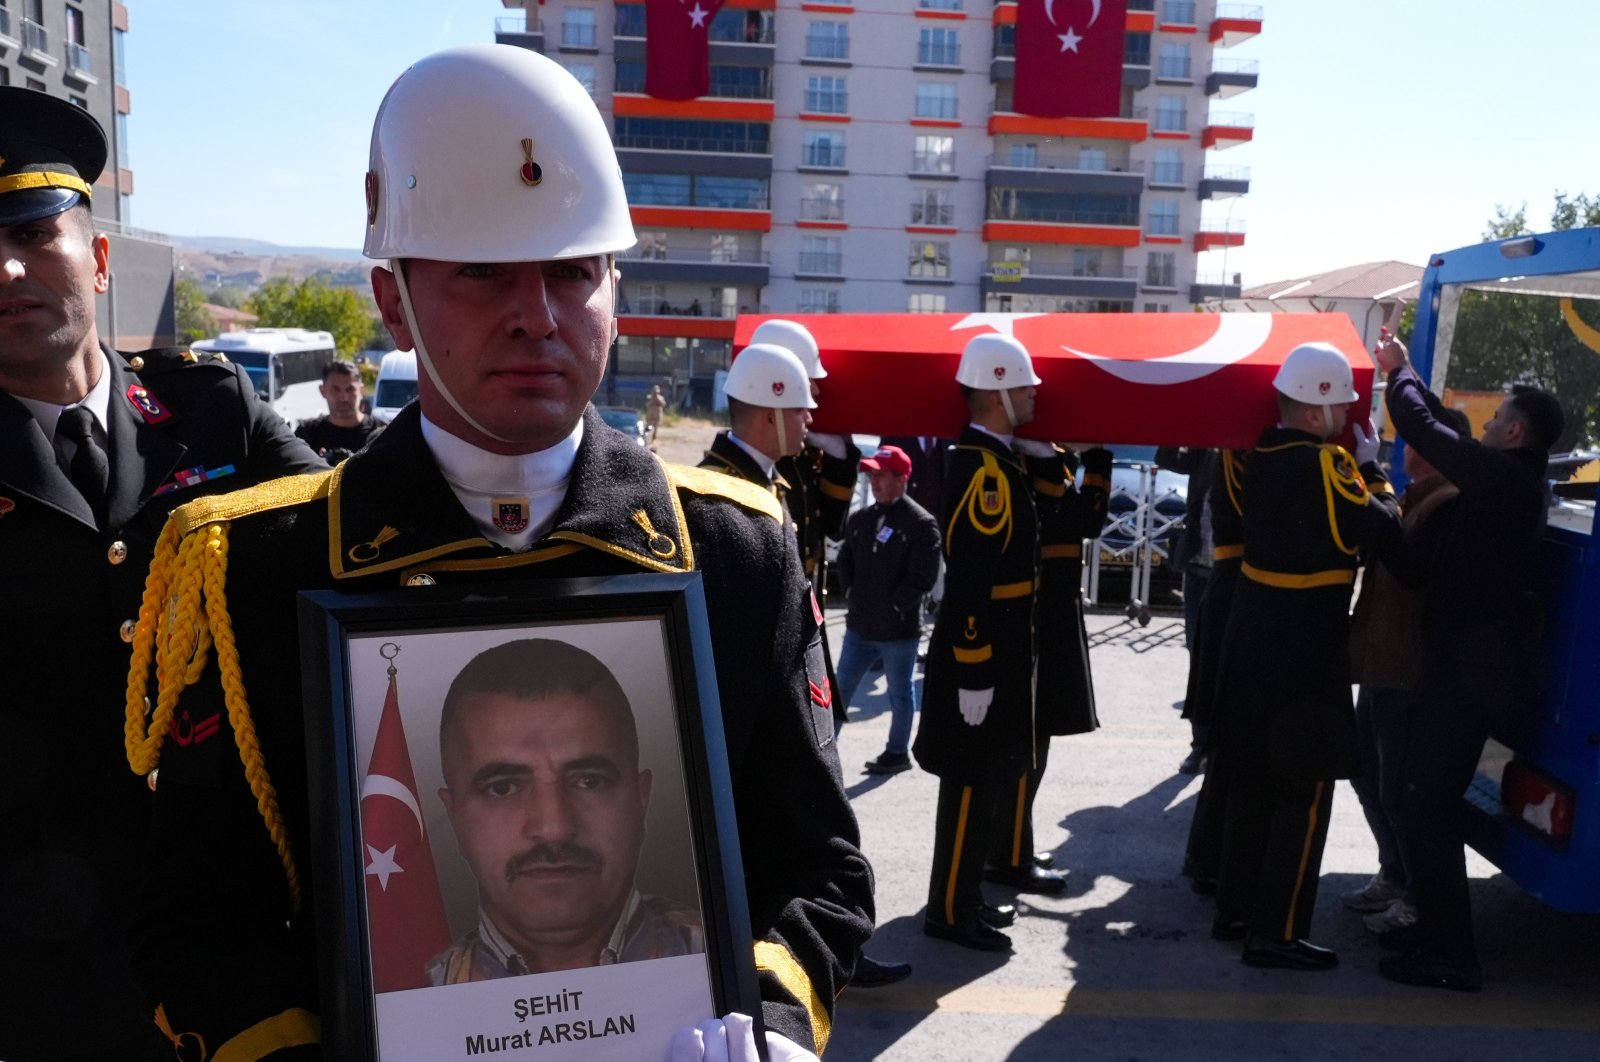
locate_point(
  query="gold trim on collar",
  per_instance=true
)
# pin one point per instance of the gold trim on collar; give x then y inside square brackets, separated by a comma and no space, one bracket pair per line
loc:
[501,560]
[275,494]
[661,545]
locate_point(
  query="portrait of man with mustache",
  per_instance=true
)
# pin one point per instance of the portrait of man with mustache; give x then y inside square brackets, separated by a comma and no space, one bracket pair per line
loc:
[543,788]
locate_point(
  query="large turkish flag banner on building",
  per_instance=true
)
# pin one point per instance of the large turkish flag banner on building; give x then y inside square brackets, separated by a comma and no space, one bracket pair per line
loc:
[677,56]
[1069,58]
[1167,379]
[406,923]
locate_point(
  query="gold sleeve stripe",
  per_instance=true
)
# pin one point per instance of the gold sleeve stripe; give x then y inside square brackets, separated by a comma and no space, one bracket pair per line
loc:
[776,960]
[276,494]
[1227,552]
[1295,581]
[720,484]
[837,491]
[1007,591]
[292,1028]
[1051,489]
[1058,552]
[1380,487]
[974,656]
[22,182]
[1096,481]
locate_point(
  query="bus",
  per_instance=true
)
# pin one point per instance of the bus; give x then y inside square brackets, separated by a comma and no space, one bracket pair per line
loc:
[1534,807]
[284,364]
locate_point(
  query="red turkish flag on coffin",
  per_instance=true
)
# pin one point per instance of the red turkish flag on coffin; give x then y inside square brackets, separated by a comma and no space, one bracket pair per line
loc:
[1069,58]
[1169,379]
[406,923]
[677,56]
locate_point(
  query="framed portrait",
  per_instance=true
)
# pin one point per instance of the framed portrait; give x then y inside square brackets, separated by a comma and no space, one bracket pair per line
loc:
[524,832]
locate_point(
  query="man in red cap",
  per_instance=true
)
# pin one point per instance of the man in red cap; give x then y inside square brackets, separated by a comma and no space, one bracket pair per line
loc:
[888,562]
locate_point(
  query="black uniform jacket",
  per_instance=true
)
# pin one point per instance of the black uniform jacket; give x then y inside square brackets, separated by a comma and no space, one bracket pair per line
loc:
[820,489]
[888,561]
[71,815]
[983,638]
[1071,509]
[221,948]
[1227,553]
[1478,556]
[1285,679]
[729,457]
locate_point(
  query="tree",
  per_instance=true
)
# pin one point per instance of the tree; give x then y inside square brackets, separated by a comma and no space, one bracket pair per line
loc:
[1503,339]
[313,304]
[194,321]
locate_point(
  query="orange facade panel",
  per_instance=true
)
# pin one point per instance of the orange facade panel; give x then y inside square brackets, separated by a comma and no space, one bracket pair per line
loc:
[1141,22]
[752,5]
[1206,241]
[1180,27]
[1088,128]
[1005,14]
[926,13]
[805,223]
[1230,31]
[718,109]
[1163,239]
[1225,136]
[661,217]
[675,327]
[1076,235]
[830,9]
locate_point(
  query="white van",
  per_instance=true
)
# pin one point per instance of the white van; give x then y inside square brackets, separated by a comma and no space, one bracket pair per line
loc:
[284,364]
[397,384]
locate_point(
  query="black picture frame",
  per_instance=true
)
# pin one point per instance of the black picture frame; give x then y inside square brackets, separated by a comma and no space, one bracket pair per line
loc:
[612,617]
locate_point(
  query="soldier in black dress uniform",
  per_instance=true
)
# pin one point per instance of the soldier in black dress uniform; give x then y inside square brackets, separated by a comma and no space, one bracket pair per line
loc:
[96,447]
[1309,514]
[977,728]
[501,471]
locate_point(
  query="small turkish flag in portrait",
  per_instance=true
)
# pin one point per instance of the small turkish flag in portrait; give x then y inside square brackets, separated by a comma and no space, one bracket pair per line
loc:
[677,57]
[406,921]
[1069,58]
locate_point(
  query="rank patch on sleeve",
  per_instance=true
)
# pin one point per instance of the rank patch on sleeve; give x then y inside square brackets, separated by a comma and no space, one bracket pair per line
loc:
[819,692]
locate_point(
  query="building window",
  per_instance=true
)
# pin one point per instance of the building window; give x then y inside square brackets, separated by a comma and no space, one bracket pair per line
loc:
[1156,307]
[819,300]
[121,132]
[828,40]
[1174,61]
[1086,262]
[1093,159]
[925,302]
[929,258]
[936,101]
[1167,167]
[652,246]
[5,75]
[938,47]
[1025,155]
[933,154]
[1161,269]
[930,206]
[583,72]
[939,5]
[119,56]
[825,95]
[1178,12]
[823,149]
[577,27]
[725,247]
[78,102]
[823,201]
[1171,114]
[820,254]
[1163,217]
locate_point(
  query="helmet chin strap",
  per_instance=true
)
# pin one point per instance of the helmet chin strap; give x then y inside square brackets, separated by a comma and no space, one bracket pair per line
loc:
[1327,421]
[783,438]
[1011,414]
[427,362]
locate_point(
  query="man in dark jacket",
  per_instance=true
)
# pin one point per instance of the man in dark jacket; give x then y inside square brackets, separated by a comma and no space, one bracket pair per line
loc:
[889,560]
[1479,635]
[96,447]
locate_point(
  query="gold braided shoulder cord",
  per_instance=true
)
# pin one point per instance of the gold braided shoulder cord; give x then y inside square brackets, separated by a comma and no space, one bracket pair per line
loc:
[972,502]
[194,572]
[1333,480]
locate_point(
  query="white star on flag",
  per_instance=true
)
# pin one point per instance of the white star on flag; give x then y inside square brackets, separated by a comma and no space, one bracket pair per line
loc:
[1069,40]
[382,865]
[697,16]
[1000,322]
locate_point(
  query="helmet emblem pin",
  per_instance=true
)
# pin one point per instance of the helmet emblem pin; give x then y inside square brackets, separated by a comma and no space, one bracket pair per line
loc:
[372,198]
[999,372]
[777,387]
[1324,387]
[531,173]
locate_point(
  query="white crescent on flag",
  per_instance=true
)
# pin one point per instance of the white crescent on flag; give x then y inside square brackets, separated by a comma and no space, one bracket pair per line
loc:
[383,785]
[1238,336]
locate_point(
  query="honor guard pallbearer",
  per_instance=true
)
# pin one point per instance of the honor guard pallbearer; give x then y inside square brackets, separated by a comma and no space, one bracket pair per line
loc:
[96,447]
[495,198]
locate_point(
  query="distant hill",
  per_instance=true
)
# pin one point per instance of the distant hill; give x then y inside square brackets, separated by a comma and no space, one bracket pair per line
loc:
[262,248]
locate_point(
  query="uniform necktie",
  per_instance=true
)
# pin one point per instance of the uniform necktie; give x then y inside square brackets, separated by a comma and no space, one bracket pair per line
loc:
[90,469]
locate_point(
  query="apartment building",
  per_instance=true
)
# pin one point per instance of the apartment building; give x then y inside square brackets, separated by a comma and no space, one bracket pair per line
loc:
[74,49]
[854,159]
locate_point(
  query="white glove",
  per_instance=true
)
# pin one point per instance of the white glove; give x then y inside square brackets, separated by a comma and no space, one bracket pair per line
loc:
[731,1039]
[975,704]
[832,445]
[1366,442]
[1033,448]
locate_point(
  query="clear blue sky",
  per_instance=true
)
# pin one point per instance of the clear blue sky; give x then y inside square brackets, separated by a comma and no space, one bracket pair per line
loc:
[252,118]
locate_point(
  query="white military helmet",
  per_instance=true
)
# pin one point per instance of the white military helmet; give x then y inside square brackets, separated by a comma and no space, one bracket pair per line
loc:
[492,153]
[1316,374]
[993,362]
[770,376]
[797,339]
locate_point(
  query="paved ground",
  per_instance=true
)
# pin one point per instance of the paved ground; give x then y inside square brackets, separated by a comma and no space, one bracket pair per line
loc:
[1122,967]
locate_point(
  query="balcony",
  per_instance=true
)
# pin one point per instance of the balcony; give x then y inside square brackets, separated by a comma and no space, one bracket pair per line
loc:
[80,66]
[1214,234]
[36,44]
[1225,130]
[824,210]
[1061,277]
[525,32]
[1003,63]
[824,264]
[1229,77]
[696,265]
[1214,286]
[1009,220]
[1178,13]
[1065,173]
[8,38]
[729,26]
[1224,182]
[1132,128]
[1235,24]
